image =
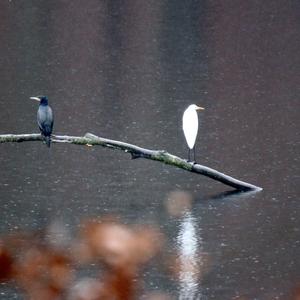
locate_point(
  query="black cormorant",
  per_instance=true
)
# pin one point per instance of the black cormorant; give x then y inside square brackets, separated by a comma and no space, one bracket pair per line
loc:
[44,118]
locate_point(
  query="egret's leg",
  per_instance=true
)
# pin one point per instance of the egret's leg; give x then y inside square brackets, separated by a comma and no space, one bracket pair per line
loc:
[189,155]
[194,153]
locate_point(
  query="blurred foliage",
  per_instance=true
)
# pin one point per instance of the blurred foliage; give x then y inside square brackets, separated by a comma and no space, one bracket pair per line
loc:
[46,269]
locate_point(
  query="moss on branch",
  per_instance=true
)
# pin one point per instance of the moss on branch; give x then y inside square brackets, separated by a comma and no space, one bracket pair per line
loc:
[136,152]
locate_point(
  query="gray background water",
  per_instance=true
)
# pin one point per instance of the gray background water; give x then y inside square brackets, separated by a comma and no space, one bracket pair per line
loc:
[126,70]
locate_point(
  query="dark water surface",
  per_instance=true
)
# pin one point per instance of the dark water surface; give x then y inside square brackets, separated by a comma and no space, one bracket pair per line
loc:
[126,70]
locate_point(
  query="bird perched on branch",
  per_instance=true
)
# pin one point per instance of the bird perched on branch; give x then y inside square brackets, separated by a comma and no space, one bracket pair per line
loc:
[45,118]
[190,127]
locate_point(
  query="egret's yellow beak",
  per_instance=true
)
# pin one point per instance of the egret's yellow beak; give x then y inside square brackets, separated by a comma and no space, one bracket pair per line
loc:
[199,108]
[35,98]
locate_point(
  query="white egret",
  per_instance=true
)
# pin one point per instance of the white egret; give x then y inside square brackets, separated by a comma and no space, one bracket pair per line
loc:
[190,126]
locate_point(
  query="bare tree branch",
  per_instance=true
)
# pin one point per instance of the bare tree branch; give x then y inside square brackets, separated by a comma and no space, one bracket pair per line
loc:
[136,152]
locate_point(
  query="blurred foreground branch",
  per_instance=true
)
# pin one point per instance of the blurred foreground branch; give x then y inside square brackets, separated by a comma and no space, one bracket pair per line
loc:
[137,152]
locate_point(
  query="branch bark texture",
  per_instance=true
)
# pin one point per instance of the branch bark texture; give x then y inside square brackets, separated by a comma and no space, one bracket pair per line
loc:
[136,152]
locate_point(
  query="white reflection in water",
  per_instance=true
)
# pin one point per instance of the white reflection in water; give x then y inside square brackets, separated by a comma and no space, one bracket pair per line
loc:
[189,247]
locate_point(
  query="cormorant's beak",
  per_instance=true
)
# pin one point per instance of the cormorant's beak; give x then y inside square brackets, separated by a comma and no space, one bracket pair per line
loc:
[199,108]
[35,98]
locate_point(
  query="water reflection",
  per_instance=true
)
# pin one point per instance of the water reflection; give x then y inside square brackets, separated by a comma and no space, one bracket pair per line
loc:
[126,70]
[234,194]
[190,246]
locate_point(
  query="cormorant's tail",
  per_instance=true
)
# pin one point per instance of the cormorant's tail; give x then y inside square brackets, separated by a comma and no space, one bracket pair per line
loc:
[48,140]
